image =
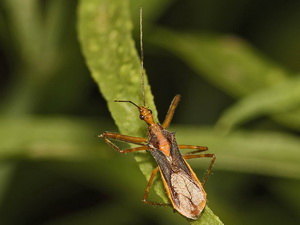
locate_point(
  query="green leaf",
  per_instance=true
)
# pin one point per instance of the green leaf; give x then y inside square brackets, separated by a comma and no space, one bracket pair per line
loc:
[105,35]
[207,218]
[281,98]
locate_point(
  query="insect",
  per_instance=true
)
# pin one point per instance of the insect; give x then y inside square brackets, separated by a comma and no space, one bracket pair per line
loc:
[185,191]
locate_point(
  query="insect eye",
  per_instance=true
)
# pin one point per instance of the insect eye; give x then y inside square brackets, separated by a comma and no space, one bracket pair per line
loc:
[142,117]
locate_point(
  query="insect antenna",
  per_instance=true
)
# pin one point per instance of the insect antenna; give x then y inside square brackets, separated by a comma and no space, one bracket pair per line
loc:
[127,101]
[142,56]
[142,63]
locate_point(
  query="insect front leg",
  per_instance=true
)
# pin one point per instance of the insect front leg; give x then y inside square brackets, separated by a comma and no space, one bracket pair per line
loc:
[154,172]
[192,155]
[129,139]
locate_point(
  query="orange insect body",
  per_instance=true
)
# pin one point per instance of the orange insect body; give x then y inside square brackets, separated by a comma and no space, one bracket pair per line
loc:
[162,144]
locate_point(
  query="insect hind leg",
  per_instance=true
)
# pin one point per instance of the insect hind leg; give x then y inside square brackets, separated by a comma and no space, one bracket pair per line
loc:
[193,155]
[154,172]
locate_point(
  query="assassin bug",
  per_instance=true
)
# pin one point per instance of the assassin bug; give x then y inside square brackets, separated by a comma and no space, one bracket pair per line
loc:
[185,191]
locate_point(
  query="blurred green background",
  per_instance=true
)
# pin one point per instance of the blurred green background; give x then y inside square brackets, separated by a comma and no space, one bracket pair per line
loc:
[236,65]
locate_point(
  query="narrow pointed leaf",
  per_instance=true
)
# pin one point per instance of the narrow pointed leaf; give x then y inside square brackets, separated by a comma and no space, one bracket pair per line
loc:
[105,35]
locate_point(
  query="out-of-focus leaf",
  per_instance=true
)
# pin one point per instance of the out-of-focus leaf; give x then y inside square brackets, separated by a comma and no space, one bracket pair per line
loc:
[36,44]
[36,37]
[105,35]
[49,138]
[151,10]
[281,98]
[229,63]
[26,22]
[289,119]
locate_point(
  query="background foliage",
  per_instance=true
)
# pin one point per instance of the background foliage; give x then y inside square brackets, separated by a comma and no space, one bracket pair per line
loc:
[235,63]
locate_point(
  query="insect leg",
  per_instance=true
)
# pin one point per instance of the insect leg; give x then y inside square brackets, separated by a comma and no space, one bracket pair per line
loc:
[124,138]
[197,148]
[154,172]
[119,137]
[188,156]
[171,111]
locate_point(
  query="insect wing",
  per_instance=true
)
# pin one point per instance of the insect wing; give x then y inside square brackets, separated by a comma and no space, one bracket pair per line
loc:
[181,183]
[188,195]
